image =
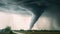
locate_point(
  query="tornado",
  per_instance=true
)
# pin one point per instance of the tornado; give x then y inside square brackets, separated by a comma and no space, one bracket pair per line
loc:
[34,20]
[37,11]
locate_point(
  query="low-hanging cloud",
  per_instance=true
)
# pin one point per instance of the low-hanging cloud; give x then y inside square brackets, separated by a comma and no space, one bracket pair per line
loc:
[9,6]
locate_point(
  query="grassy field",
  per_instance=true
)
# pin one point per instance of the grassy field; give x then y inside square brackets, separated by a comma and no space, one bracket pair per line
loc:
[42,33]
[35,33]
[32,32]
[39,32]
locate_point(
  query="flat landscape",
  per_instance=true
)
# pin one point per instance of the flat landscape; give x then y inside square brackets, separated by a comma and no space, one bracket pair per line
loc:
[32,32]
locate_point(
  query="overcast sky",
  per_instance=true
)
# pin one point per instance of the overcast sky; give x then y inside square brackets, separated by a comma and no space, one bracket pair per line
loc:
[12,14]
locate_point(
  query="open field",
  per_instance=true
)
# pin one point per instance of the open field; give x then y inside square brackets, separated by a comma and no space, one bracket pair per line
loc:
[39,32]
[43,33]
[36,33]
[31,32]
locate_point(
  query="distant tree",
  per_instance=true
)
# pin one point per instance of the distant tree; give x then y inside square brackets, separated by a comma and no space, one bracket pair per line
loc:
[7,29]
[11,32]
[21,30]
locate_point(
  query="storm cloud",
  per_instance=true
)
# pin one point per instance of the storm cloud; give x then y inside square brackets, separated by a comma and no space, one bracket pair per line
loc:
[51,9]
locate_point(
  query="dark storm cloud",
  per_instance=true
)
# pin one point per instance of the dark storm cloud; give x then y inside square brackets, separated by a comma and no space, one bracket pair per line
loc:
[52,6]
[29,3]
[12,7]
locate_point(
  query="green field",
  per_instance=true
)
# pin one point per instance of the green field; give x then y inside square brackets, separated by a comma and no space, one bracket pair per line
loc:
[35,33]
[31,32]
[39,31]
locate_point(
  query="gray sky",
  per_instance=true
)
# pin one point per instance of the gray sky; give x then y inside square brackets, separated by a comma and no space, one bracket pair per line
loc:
[16,16]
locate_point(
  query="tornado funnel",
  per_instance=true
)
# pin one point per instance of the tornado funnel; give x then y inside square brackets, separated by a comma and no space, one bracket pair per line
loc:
[34,20]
